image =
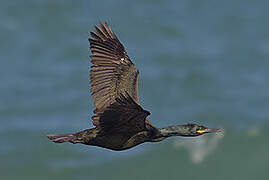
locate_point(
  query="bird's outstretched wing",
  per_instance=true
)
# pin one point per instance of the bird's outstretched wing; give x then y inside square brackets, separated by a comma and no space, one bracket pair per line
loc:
[124,116]
[112,73]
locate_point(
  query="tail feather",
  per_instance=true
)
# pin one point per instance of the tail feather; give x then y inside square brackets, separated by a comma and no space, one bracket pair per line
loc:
[61,138]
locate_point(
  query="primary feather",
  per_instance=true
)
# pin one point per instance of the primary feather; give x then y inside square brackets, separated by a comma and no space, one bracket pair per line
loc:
[112,73]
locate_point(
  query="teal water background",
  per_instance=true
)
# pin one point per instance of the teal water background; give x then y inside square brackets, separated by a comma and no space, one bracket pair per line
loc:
[200,61]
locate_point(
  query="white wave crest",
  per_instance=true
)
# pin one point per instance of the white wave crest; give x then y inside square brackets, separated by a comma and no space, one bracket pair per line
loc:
[200,147]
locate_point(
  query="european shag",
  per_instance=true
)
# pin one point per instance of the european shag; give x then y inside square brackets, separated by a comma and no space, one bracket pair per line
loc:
[120,122]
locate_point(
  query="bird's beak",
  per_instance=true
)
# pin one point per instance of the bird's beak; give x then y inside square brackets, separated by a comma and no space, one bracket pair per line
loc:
[212,130]
[209,130]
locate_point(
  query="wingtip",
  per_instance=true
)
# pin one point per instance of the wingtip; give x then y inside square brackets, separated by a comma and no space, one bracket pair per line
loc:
[100,24]
[106,24]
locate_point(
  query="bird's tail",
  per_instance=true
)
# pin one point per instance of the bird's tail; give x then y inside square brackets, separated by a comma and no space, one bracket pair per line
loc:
[61,138]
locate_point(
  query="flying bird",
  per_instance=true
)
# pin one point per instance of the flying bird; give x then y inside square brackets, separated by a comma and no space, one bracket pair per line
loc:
[120,121]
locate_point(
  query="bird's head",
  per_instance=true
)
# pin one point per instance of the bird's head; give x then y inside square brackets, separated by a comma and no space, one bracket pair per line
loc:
[197,130]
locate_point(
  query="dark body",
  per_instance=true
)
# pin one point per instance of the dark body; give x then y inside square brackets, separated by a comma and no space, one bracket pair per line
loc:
[120,135]
[114,141]
[120,122]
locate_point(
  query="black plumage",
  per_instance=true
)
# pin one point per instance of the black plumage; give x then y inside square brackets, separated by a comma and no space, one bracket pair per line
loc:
[120,122]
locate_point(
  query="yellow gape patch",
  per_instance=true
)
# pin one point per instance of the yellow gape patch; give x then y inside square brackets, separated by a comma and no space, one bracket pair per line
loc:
[200,131]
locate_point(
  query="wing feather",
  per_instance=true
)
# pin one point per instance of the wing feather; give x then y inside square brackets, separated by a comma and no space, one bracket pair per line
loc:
[112,73]
[123,116]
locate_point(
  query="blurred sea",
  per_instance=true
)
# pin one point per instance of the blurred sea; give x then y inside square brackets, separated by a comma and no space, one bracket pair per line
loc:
[200,61]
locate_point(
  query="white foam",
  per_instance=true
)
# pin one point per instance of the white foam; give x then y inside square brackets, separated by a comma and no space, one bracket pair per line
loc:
[199,148]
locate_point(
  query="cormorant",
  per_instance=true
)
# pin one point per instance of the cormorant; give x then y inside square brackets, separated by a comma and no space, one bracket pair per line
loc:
[120,122]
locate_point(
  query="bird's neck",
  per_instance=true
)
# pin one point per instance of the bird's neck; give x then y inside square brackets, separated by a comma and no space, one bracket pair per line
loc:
[178,130]
[159,134]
